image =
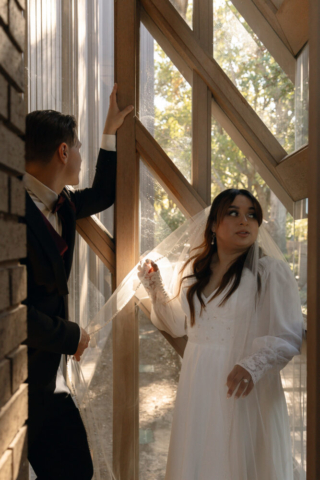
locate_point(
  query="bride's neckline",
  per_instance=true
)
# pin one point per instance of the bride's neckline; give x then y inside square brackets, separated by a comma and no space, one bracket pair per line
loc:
[210,295]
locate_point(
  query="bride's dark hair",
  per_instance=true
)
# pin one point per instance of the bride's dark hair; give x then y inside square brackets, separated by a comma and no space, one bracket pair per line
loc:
[202,261]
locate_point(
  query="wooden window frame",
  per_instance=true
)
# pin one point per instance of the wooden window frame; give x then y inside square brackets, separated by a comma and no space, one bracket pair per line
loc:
[191,52]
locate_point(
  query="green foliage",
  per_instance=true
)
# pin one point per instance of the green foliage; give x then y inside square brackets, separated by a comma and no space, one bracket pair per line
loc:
[261,81]
[255,72]
[173,120]
[173,131]
[231,169]
[259,78]
[166,211]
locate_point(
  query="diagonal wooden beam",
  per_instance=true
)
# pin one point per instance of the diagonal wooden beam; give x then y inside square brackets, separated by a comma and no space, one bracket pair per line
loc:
[169,176]
[166,46]
[294,172]
[293,16]
[288,183]
[99,240]
[268,36]
[201,105]
[225,93]
[273,180]
[269,11]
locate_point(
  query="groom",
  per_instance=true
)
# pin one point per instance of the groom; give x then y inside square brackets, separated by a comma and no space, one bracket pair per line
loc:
[58,446]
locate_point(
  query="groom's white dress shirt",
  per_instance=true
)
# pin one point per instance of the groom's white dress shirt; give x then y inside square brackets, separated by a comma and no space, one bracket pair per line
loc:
[45,199]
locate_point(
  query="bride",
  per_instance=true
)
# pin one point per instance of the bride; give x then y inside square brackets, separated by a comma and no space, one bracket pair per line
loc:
[241,311]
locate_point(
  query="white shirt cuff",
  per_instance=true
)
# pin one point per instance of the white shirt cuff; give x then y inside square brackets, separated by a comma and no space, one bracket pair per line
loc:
[108,142]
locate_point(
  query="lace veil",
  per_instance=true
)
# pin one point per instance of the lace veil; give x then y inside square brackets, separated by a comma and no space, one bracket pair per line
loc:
[276,339]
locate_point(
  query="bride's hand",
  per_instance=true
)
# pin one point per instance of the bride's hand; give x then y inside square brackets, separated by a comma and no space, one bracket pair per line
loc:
[149,276]
[241,378]
[148,267]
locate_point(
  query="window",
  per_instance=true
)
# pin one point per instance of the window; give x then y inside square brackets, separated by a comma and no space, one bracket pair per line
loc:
[165,103]
[254,71]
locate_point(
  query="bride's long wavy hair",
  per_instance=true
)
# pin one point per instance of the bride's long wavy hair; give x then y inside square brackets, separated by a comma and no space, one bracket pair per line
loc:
[202,261]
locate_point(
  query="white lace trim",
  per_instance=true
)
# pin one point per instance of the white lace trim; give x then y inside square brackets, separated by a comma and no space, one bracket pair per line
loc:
[259,363]
[153,284]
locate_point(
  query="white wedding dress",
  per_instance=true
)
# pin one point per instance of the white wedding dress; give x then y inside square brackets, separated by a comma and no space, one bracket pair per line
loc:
[212,437]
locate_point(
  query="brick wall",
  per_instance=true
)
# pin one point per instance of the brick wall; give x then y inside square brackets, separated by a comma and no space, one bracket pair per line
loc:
[13,330]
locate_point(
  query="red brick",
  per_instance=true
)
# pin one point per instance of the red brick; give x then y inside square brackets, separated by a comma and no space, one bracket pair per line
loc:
[16,23]
[4,193]
[4,288]
[11,60]
[3,96]
[18,284]
[19,448]
[13,416]
[19,366]
[17,197]
[13,329]
[12,240]
[4,10]
[12,150]
[5,382]
[6,466]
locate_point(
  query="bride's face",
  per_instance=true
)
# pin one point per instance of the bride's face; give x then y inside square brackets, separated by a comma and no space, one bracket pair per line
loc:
[238,230]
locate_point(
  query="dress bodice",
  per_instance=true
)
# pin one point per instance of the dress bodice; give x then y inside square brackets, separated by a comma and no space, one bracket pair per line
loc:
[213,326]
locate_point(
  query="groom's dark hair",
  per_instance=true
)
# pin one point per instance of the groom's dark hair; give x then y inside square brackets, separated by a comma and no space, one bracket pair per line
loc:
[45,131]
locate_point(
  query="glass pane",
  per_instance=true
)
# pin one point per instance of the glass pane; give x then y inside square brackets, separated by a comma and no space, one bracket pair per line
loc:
[159,364]
[159,369]
[299,246]
[101,391]
[165,103]
[294,375]
[105,41]
[90,287]
[159,215]
[44,55]
[255,72]
[302,98]
[185,8]
[231,169]
[91,284]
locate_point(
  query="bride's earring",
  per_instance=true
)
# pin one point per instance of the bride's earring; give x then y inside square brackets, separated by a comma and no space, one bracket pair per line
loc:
[213,240]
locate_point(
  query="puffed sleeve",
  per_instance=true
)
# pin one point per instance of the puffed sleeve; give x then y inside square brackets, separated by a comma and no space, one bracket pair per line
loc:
[280,321]
[169,317]
[166,311]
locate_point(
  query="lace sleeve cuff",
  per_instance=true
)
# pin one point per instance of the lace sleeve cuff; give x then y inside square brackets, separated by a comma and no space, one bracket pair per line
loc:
[247,364]
[259,363]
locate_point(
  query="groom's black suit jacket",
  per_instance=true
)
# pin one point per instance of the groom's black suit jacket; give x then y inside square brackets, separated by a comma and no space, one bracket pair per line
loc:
[50,333]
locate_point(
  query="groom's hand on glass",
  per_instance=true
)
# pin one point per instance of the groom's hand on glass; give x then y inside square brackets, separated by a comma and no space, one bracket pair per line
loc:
[115,116]
[83,344]
[240,381]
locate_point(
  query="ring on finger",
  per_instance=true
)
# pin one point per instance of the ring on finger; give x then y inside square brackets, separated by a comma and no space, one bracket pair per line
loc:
[245,380]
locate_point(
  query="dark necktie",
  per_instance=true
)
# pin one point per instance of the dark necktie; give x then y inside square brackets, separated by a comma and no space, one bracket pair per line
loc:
[58,240]
[60,202]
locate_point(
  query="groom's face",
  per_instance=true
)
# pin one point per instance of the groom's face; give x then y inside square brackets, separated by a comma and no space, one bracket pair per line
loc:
[73,164]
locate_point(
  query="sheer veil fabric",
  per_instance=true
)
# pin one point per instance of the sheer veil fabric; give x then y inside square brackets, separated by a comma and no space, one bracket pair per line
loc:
[266,335]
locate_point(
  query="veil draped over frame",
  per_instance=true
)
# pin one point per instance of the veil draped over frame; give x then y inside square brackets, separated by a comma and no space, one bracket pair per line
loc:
[280,335]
